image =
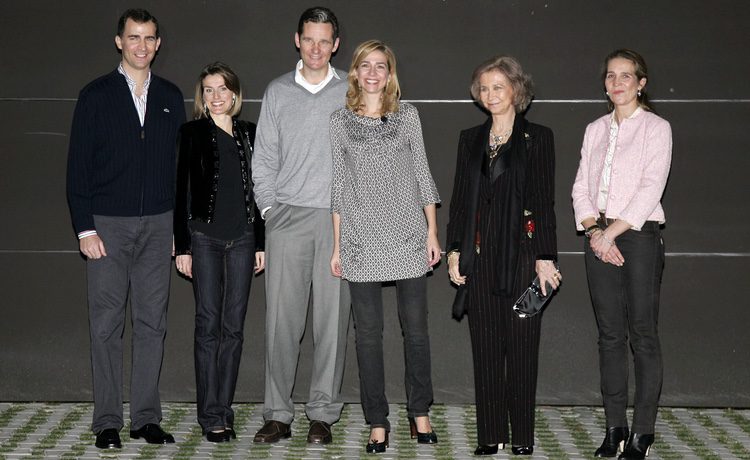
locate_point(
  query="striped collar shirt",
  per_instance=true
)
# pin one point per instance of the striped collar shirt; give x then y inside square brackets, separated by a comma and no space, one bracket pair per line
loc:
[139,101]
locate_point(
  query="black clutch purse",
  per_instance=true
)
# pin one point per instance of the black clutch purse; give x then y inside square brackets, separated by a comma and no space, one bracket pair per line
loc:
[532,301]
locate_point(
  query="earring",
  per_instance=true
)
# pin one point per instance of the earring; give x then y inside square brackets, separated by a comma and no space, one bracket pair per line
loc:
[639,93]
[607,93]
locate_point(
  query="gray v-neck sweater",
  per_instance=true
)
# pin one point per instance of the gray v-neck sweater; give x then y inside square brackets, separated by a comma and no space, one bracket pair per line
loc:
[292,160]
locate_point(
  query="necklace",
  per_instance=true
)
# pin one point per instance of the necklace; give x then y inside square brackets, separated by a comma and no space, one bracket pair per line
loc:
[497,140]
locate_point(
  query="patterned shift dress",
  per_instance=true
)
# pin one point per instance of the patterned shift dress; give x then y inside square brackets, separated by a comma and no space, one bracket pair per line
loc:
[381,184]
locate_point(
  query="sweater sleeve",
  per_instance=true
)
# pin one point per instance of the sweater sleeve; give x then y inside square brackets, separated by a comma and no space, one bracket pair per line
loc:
[266,156]
[80,156]
[427,189]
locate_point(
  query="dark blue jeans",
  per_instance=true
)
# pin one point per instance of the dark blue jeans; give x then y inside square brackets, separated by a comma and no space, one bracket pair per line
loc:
[222,272]
[367,305]
[626,304]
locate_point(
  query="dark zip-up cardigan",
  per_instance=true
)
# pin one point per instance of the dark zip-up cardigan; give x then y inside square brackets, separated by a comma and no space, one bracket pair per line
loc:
[115,166]
[198,178]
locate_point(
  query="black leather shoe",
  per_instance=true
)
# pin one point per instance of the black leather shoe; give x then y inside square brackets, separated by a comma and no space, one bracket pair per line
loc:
[427,438]
[108,439]
[220,436]
[272,431]
[486,450]
[153,434]
[637,447]
[231,432]
[614,441]
[375,447]
[522,450]
[319,433]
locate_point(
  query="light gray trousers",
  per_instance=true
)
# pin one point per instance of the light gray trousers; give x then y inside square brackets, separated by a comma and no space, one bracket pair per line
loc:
[138,266]
[299,245]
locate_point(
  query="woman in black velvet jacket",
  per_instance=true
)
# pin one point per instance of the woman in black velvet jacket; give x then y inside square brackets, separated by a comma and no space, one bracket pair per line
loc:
[218,238]
[501,233]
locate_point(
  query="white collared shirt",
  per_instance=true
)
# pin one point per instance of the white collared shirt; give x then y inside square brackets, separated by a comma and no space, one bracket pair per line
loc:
[314,89]
[140,102]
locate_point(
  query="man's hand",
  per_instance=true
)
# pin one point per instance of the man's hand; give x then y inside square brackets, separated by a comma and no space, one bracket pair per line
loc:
[92,247]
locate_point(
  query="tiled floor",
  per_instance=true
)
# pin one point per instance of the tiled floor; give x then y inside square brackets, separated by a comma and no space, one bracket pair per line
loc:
[50,430]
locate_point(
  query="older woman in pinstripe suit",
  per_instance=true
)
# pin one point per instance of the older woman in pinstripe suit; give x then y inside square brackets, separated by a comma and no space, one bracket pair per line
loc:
[501,233]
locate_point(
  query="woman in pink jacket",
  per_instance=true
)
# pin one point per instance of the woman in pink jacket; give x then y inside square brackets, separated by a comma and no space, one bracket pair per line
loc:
[624,167]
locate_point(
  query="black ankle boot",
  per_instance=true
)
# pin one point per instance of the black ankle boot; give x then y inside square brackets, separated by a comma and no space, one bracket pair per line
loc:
[637,447]
[614,441]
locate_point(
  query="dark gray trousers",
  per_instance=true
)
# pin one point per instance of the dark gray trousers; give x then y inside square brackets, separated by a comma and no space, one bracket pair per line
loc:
[137,266]
[626,304]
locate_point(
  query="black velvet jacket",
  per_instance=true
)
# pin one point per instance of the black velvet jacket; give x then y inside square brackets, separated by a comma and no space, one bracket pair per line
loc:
[198,178]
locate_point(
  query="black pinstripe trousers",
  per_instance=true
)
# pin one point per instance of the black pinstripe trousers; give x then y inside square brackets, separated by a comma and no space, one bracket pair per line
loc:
[506,356]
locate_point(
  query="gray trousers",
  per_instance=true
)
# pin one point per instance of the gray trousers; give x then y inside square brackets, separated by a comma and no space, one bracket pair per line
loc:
[137,265]
[299,245]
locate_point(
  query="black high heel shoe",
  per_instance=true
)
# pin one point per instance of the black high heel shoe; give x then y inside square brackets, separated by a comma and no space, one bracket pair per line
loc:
[422,438]
[614,441]
[637,447]
[522,450]
[375,447]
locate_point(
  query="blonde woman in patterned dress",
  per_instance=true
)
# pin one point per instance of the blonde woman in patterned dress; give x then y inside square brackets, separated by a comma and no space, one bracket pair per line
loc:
[383,205]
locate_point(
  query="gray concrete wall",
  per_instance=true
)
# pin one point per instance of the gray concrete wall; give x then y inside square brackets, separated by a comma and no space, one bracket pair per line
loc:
[698,65]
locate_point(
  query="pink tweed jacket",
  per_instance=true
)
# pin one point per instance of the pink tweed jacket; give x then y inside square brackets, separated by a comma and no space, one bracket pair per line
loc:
[640,168]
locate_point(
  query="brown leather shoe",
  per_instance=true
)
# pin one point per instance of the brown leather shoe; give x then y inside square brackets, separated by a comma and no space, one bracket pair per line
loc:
[272,431]
[320,433]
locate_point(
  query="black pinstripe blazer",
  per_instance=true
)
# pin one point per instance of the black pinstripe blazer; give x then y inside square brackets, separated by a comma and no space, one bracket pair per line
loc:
[539,191]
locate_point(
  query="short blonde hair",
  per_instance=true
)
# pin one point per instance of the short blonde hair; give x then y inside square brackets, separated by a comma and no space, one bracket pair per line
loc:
[523,87]
[392,92]
[232,82]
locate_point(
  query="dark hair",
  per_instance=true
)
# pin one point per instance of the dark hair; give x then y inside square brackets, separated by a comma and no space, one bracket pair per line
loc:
[231,81]
[319,15]
[523,87]
[138,15]
[641,71]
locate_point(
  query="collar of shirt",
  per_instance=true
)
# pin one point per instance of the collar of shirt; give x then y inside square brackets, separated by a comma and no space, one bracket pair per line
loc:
[139,101]
[636,112]
[309,86]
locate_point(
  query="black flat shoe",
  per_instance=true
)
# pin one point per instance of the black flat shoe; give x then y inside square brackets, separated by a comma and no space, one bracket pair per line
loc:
[153,434]
[614,441]
[486,450]
[522,450]
[220,436]
[637,447]
[375,447]
[108,439]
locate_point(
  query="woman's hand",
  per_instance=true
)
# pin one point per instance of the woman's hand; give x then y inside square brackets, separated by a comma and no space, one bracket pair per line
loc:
[548,273]
[605,249]
[336,263]
[260,261]
[455,276]
[184,264]
[433,249]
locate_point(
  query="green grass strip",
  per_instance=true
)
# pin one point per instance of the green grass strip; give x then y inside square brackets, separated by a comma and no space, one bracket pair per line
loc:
[23,432]
[581,437]
[297,444]
[720,434]
[738,419]
[470,424]
[684,434]
[8,414]
[187,447]
[85,439]
[547,439]
[66,424]
[407,447]
[335,449]
[444,447]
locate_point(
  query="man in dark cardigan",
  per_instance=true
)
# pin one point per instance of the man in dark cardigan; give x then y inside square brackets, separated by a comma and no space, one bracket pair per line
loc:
[121,169]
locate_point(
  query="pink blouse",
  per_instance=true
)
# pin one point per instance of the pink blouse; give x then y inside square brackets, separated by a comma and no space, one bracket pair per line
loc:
[640,168]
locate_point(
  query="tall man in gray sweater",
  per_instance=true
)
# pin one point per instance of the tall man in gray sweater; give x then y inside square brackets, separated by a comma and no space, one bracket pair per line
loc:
[292,170]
